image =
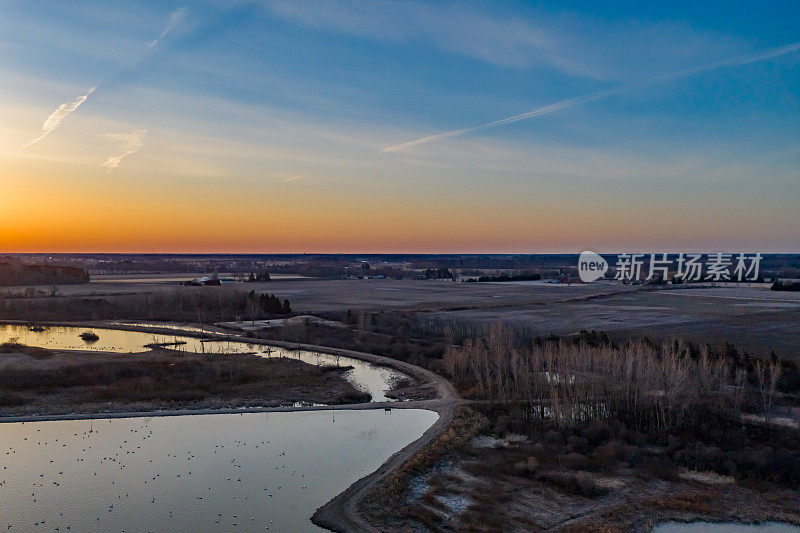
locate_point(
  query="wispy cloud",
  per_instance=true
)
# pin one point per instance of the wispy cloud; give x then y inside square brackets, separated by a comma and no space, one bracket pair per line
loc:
[502,39]
[293,178]
[130,144]
[174,19]
[602,95]
[56,117]
[517,36]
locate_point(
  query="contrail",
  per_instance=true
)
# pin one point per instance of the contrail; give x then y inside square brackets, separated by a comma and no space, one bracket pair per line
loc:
[174,18]
[131,143]
[54,120]
[539,111]
[64,110]
[602,95]
[293,178]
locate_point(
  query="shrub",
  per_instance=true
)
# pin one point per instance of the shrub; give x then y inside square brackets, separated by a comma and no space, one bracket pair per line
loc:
[89,336]
[527,467]
[576,483]
[8,399]
[576,461]
[613,451]
[579,444]
[596,432]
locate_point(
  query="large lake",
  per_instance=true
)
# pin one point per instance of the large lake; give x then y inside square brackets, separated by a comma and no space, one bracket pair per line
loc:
[249,472]
[372,379]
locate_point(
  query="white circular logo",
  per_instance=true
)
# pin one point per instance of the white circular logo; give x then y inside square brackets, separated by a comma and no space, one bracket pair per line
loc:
[591,267]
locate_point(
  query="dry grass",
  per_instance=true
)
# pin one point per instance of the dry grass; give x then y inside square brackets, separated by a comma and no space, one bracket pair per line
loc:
[166,379]
[12,346]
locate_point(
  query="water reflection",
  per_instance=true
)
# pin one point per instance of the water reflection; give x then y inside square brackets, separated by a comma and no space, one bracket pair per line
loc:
[372,379]
[192,473]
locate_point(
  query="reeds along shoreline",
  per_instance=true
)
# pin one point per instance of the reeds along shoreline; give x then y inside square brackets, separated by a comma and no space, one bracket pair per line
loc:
[638,385]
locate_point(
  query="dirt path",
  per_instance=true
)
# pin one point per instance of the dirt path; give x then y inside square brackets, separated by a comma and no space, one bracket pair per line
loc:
[340,513]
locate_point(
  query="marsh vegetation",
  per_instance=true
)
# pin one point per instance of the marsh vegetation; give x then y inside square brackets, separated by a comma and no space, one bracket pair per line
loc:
[40,381]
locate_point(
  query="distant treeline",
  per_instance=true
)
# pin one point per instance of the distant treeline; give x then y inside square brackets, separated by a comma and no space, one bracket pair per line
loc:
[183,304]
[519,277]
[261,276]
[438,273]
[345,265]
[15,273]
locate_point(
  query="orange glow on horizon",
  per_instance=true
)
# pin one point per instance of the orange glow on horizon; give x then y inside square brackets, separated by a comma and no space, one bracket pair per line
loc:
[84,209]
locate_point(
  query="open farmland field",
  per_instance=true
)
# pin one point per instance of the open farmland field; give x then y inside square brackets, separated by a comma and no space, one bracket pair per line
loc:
[388,294]
[751,317]
[325,295]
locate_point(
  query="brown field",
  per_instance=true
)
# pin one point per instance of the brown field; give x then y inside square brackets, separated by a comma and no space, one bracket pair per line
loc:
[753,318]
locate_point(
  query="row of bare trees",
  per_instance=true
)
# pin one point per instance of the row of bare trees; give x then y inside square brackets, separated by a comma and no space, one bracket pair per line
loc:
[639,385]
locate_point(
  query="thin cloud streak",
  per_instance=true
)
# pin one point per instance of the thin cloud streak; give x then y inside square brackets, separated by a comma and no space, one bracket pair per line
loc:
[56,117]
[504,40]
[602,95]
[131,143]
[64,110]
[174,19]
[293,178]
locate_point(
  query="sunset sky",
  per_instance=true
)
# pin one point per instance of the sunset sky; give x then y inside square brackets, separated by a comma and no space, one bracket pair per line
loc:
[369,126]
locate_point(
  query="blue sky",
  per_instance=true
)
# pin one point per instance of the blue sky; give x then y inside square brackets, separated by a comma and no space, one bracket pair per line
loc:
[689,139]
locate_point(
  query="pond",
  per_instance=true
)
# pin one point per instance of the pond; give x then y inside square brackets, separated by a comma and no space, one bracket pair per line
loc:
[249,472]
[373,379]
